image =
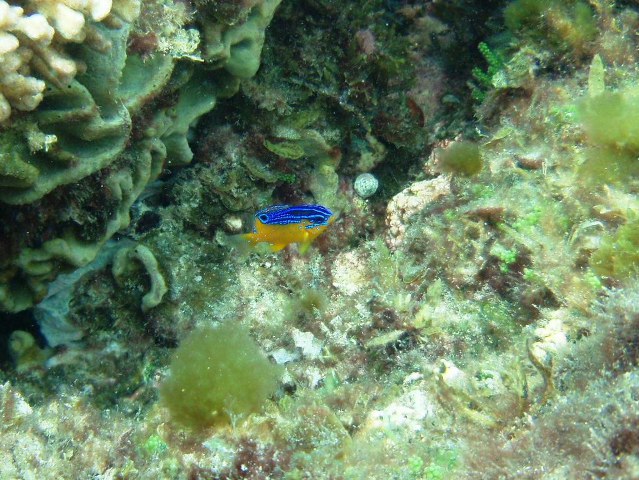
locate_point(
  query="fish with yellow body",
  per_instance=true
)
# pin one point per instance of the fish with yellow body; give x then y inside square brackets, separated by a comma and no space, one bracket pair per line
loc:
[280,225]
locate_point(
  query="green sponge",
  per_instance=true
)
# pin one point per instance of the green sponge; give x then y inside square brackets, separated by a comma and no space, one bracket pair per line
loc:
[461,158]
[217,374]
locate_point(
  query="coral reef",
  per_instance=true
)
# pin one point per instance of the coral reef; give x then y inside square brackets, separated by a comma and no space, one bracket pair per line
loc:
[471,311]
[73,144]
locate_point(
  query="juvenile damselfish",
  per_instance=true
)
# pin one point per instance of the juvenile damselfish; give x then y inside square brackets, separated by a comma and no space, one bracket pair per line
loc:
[280,225]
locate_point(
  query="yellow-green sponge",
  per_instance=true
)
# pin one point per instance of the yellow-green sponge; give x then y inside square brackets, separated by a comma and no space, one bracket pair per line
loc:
[217,374]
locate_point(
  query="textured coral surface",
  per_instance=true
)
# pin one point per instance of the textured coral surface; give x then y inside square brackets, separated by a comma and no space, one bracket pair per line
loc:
[107,109]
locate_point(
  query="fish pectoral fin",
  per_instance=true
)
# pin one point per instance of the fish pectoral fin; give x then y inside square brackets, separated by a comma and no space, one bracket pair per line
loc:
[304,246]
[248,237]
[276,247]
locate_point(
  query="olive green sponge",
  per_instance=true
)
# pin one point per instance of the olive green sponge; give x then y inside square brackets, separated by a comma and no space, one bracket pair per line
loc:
[217,374]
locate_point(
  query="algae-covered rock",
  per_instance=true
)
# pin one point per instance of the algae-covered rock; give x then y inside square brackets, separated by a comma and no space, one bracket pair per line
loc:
[562,25]
[24,351]
[618,255]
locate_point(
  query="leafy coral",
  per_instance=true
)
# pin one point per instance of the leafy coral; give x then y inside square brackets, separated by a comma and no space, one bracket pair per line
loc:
[108,130]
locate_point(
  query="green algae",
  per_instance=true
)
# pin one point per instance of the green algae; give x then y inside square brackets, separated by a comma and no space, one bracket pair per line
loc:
[290,149]
[618,255]
[562,25]
[611,119]
[217,375]
[611,122]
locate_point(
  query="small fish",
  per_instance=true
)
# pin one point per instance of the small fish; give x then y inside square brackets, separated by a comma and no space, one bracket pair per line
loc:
[280,225]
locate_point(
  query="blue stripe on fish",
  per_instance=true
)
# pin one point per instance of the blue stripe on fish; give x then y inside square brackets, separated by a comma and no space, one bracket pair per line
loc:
[286,214]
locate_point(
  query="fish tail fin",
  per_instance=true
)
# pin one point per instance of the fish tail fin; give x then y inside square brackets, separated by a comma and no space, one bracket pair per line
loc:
[243,243]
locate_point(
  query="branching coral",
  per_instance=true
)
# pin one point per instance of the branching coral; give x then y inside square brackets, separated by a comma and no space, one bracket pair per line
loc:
[31,41]
[19,90]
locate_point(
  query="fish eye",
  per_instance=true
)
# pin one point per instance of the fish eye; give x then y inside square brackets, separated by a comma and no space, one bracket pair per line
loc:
[263,218]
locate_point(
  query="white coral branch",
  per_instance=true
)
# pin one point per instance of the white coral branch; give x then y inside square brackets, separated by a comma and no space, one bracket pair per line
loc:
[32,37]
